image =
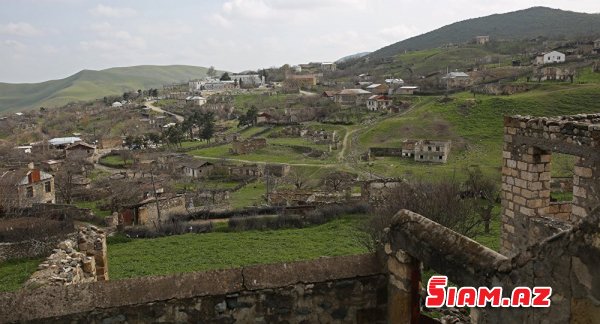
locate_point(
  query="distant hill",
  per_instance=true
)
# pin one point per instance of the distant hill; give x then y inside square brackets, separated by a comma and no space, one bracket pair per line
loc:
[524,24]
[89,85]
[352,57]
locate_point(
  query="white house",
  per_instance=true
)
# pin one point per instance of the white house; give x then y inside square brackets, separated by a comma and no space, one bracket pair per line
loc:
[549,58]
[197,100]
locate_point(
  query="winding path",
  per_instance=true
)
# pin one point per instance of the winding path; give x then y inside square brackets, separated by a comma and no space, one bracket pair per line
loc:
[150,104]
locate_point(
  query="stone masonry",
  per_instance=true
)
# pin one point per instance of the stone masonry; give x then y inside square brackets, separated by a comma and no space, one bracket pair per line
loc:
[348,289]
[526,175]
[74,262]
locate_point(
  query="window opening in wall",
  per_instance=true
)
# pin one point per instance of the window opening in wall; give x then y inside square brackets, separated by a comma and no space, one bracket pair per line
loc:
[561,183]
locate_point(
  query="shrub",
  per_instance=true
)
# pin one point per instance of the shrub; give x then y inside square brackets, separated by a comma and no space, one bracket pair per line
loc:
[171,227]
[26,228]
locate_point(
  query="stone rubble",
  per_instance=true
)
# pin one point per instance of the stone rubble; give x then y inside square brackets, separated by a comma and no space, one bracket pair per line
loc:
[74,263]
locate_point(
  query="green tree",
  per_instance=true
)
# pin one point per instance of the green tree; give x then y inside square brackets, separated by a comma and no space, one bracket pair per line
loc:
[211,72]
[225,77]
[208,126]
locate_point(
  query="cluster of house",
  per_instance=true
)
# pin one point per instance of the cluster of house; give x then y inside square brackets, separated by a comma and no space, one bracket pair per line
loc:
[419,150]
[237,81]
[64,146]
[315,67]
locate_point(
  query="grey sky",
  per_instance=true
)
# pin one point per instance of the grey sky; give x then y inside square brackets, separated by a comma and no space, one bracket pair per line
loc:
[51,39]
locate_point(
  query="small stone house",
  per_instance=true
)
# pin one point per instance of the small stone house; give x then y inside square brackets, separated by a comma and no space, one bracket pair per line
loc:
[404,90]
[197,169]
[26,186]
[146,213]
[378,103]
[597,46]
[482,40]
[378,89]
[352,97]
[80,148]
[456,80]
[245,170]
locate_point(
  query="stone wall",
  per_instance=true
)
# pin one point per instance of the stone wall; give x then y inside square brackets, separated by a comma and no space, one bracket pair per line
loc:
[81,260]
[348,289]
[248,146]
[566,261]
[29,248]
[526,173]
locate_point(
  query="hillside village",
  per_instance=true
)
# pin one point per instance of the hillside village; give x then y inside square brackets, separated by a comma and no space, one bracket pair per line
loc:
[292,188]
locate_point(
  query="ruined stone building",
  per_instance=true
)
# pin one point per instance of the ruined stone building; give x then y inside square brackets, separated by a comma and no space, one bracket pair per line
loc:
[248,146]
[24,187]
[419,150]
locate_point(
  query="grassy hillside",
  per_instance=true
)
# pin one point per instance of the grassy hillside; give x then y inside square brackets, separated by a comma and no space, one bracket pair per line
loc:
[523,24]
[476,130]
[89,85]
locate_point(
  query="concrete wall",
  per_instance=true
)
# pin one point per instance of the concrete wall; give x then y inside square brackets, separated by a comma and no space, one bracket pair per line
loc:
[347,289]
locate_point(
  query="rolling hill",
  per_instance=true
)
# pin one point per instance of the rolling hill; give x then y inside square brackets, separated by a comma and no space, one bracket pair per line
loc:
[89,85]
[524,24]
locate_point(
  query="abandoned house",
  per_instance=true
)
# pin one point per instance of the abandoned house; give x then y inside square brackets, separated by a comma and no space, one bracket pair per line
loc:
[244,170]
[549,58]
[248,145]
[350,97]
[419,150]
[482,40]
[378,103]
[146,211]
[456,80]
[403,90]
[432,151]
[328,67]
[378,89]
[80,149]
[197,169]
[597,46]
[24,187]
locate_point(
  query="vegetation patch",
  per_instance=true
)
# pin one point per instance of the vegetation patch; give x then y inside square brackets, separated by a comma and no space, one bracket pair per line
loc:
[191,252]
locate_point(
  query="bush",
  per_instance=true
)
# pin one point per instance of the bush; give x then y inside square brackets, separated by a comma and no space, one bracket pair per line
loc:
[171,227]
[314,217]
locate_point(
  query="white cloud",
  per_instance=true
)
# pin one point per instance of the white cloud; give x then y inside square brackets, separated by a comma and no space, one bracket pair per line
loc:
[20,29]
[113,12]
[399,32]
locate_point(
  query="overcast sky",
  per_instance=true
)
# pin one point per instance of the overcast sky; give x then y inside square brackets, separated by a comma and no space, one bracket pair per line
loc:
[52,39]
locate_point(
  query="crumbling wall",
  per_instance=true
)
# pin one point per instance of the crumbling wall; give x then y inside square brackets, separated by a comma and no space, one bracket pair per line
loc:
[350,289]
[526,173]
[248,146]
[74,262]
[567,262]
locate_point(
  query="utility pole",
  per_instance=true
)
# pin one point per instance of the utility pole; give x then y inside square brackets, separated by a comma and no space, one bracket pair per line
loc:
[155,196]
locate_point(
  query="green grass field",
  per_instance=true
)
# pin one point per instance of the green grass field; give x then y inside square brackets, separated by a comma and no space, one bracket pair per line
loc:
[115,161]
[93,205]
[193,252]
[14,273]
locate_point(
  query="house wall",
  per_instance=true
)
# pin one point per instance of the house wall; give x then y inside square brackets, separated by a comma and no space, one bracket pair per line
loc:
[40,196]
[148,214]
[350,289]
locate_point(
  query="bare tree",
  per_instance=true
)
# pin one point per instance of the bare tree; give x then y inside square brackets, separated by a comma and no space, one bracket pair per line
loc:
[338,180]
[76,166]
[439,201]
[485,191]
